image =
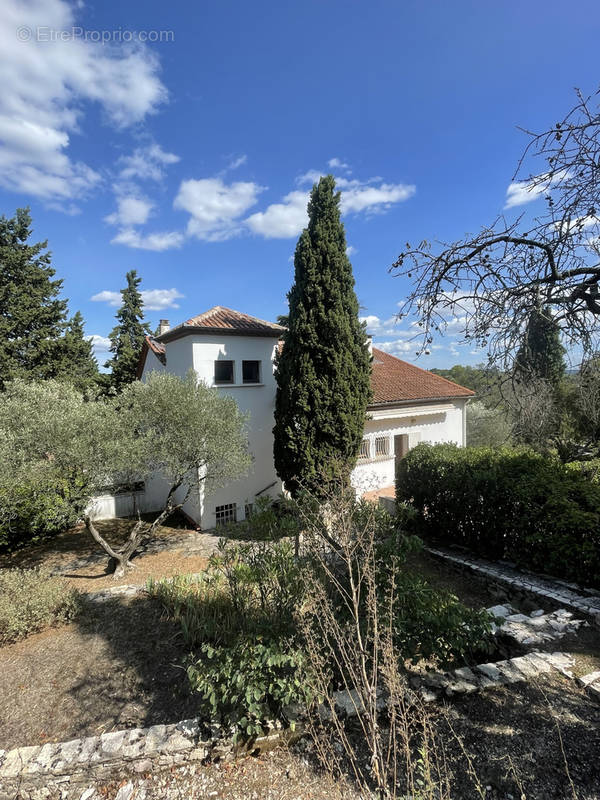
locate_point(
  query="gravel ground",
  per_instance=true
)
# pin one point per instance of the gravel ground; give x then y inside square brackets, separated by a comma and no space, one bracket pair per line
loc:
[279,775]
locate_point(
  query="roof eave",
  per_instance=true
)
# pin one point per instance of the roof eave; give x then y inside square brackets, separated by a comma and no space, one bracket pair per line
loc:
[420,401]
[188,330]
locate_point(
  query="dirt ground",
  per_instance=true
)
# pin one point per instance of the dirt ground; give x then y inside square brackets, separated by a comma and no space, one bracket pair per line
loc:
[471,591]
[174,550]
[116,666]
[119,666]
[524,742]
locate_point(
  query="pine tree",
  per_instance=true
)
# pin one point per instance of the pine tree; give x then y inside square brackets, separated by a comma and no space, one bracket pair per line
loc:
[323,371]
[127,337]
[79,364]
[541,354]
[32,316]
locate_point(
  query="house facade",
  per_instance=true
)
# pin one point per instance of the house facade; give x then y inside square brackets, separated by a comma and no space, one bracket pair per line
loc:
[235,353]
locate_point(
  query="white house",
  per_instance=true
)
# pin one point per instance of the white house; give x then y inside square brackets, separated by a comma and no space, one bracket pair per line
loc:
[235,352]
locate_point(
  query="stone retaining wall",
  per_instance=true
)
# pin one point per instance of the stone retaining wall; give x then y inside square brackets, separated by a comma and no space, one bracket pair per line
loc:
[512,584]
[65,769]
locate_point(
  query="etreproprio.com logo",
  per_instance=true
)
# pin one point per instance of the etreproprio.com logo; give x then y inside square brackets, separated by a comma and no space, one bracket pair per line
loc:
[45,33]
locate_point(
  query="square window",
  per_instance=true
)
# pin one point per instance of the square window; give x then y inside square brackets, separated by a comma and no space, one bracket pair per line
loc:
[226,514]
[251,371]
[223,371]
[365,450]
[382,446]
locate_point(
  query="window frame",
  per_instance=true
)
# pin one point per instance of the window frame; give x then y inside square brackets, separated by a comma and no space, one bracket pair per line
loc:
[256,361]
[386,441]
[224,361]
[225,514]
[362,457]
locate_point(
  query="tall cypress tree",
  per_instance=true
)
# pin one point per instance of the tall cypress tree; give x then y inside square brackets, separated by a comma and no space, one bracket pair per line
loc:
[32,316]
[541,354]
[127,337]
[323,370]
[79,363]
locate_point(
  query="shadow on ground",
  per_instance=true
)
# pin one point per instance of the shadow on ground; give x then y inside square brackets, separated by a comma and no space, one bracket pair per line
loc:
[118,665]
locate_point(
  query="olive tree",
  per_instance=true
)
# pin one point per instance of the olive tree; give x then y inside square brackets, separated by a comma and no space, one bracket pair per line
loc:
[177,428]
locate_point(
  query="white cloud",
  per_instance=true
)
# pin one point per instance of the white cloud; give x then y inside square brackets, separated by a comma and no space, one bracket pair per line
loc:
[131,210]
[215,207]
[521,192]
[146,163]
[350,250]
[154,299]
[312,176]
[112,298]
[159,299]
[397,347]
[286,219]
[359,196]
[336,163]
[100,344]
[237,162]
[159,241]
[281,220]
[383,327]
[44,85]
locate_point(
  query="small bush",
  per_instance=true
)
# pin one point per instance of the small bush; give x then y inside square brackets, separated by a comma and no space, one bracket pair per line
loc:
[248,684]
[590,469]
[270,520]
[237,617]
[31,600]
[37,507]
[505,503]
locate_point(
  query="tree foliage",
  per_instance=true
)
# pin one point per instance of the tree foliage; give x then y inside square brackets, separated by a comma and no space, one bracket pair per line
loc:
[79,365]
[37,342]
[178,428]
[32,315]
[498,277]
[323,372]
[541,355]
[127,337]
[506,503]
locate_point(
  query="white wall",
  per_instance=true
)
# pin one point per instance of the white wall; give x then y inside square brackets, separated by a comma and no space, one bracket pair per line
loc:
[434,423]
[257,400]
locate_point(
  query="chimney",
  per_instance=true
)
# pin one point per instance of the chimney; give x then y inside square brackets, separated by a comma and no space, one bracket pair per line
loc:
[370,344]
[163,326]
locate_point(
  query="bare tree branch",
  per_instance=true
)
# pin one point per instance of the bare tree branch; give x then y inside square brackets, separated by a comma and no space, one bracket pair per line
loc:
[491,281]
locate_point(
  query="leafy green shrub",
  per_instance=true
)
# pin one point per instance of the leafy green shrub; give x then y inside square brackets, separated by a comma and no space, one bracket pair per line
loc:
[31,600]
[434,625]
[271,519]
[249,588]
[505,503]
[590,469]
[248,683]
[238,619]
[39,506]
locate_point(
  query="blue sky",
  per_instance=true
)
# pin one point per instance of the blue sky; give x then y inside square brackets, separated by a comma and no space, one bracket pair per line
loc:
[189,159]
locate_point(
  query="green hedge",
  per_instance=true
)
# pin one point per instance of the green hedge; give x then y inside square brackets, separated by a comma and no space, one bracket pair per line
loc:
[506,503]
[37,508]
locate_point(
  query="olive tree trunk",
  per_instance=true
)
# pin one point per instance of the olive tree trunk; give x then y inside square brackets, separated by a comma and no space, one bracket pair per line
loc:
[140,531]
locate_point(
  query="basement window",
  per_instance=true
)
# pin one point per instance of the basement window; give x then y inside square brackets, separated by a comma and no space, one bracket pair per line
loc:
[365,450]
[223,371]
[250,371]
[382,446]
[226,514]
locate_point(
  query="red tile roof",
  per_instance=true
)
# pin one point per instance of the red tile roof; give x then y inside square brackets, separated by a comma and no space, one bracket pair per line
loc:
[223,319]
[396,381]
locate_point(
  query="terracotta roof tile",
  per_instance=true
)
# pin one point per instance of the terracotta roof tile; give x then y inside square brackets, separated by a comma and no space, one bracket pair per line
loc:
[396,381]
[220,318]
